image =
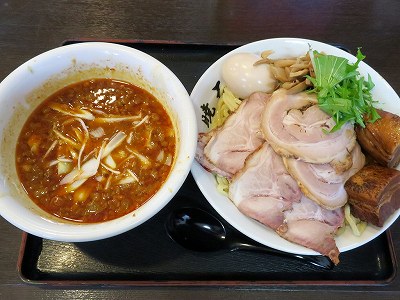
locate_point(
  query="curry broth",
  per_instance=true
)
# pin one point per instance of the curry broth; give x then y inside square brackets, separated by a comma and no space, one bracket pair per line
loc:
[95,150]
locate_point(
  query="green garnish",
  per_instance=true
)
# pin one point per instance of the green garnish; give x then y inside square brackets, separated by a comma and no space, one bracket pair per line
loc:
[341,91]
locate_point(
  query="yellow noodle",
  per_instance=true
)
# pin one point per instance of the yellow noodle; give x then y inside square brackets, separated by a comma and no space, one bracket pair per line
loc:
[356,225]
[226,104]
[222,185]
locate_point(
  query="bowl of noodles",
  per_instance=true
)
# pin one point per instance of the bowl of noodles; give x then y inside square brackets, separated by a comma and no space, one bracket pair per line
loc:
[210,109]
[96,138]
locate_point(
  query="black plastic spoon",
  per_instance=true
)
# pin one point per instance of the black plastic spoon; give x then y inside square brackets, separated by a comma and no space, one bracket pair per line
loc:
[198,230]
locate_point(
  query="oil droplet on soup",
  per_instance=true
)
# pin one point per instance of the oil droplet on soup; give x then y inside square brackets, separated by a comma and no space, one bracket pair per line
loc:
[95,150]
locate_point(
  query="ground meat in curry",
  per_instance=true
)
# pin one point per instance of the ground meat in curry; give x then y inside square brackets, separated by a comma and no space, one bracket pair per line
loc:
[95,150]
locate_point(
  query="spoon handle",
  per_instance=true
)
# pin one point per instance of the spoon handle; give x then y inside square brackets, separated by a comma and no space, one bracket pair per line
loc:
[316,260]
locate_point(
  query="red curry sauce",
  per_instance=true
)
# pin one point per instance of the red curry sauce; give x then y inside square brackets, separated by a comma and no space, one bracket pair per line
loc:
[95,150]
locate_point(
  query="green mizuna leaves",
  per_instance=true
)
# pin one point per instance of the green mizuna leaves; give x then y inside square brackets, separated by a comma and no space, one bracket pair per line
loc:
[341,91]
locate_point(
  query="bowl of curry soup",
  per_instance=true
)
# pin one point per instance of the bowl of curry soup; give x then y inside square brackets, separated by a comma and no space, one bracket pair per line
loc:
[96,138]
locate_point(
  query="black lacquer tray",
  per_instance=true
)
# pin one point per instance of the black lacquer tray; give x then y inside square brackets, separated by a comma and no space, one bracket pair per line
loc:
[147,256]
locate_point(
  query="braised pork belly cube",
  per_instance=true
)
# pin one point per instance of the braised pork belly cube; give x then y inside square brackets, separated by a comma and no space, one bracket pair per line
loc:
[374,193]
[381,139]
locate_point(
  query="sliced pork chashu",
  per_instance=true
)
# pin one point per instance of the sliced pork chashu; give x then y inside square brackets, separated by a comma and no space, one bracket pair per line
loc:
[313,226]
[321,183]
[228,146]
[202,140]
[263,189]
[296,127]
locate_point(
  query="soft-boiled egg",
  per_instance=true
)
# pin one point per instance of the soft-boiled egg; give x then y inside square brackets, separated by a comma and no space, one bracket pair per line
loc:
[243,78]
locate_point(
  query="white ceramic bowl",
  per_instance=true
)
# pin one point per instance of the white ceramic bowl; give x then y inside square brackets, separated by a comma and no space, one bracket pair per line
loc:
[203,93]
[32,82]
